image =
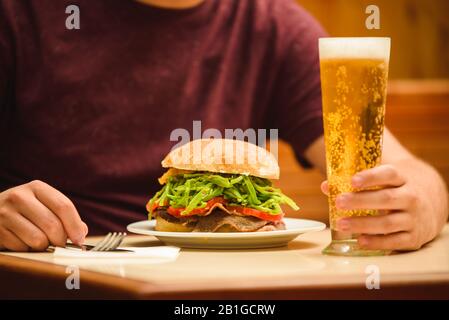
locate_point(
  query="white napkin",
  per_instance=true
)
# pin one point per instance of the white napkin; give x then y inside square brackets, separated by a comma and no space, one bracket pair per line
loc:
[167,252]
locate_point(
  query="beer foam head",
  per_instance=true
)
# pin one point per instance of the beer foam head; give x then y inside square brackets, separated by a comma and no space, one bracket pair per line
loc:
[370,47]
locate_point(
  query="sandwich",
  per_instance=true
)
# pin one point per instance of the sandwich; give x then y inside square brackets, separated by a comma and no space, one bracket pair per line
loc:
[219,185]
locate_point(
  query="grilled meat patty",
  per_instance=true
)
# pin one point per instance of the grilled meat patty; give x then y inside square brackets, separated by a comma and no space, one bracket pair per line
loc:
[216,221]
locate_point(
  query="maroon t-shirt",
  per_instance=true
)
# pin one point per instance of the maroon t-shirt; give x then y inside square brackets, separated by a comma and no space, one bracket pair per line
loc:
[90,111]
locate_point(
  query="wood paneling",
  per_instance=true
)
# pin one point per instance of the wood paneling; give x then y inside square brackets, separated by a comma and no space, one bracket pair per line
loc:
[417,113]
[419,31]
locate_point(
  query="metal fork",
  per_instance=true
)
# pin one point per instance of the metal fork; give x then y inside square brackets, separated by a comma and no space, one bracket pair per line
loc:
[110,242]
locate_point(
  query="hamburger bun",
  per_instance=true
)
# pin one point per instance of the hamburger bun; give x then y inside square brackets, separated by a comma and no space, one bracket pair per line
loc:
[170,226]
[224,156]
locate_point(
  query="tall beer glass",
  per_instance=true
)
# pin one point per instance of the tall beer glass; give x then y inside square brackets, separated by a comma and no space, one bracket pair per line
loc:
[354,74]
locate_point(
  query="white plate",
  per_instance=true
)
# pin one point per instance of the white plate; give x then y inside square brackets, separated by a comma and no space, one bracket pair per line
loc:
[230,240]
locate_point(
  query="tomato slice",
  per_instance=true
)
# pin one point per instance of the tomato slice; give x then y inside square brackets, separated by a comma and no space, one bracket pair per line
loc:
[155,206]
[176,212]
[257,213]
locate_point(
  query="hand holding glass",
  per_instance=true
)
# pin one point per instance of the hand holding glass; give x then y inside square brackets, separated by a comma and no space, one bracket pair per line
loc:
[354,73]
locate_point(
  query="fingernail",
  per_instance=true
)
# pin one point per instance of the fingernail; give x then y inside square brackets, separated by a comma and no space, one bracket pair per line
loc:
[357,181]
[343,225]
[341,201]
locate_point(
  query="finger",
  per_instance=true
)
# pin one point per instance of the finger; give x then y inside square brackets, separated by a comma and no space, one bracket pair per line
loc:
[325,187]
[11,242]
[86,228]
[63,208]
[385,199]
[31,235]
[44,219]
[390,223]
[383,175]
[394,241]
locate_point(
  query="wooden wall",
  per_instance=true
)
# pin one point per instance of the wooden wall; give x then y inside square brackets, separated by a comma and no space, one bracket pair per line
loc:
[419,30]
[417,113]
[417,110]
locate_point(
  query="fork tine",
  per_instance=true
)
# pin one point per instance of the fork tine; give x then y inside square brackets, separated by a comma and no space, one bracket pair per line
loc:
[101,243]
[121,239]
[106,245]
[117,241]
[110,243]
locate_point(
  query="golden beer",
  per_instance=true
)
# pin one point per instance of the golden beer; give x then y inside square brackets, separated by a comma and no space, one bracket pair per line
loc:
[354,74]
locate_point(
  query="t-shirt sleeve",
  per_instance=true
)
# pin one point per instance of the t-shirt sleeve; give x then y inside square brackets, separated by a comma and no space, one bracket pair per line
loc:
[296,105]
[6,57]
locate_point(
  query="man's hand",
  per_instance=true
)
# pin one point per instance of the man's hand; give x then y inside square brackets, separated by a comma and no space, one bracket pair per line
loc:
[35,215]
[408,217]
[413,199]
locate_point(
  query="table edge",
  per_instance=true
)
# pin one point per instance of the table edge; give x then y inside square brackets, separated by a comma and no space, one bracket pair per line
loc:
[106,286]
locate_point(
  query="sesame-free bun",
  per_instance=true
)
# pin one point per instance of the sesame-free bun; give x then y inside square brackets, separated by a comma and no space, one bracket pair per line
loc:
[224,156]
[168,226]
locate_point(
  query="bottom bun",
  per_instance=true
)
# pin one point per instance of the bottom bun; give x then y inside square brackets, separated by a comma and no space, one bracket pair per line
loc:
[165,225]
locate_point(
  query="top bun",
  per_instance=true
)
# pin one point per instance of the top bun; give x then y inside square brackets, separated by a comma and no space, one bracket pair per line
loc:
[224,156]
